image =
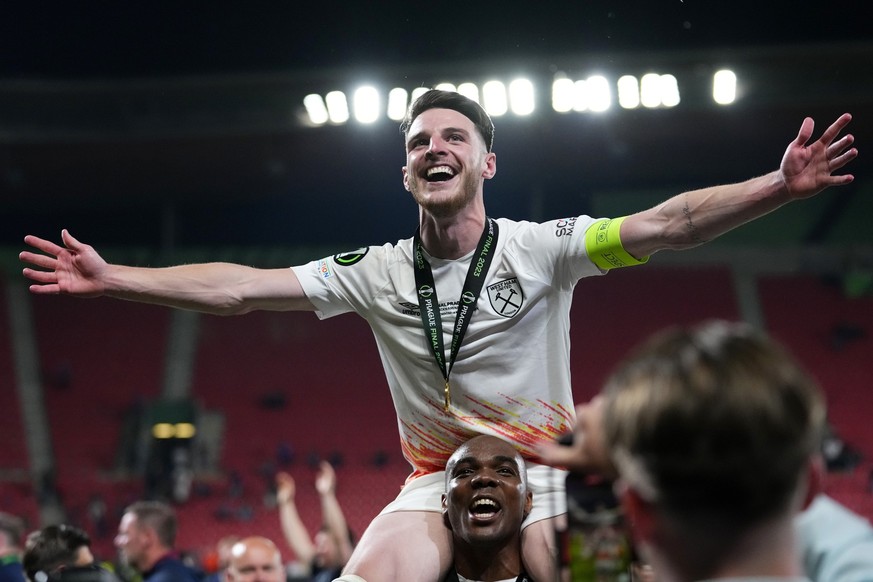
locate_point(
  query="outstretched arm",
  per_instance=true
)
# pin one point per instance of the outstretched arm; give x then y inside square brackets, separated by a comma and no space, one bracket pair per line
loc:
[695,217]
[292,526]
[332,513]
[221,288]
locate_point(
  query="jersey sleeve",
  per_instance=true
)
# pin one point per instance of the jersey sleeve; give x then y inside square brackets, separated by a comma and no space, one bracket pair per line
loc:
[345,282]
[555,250]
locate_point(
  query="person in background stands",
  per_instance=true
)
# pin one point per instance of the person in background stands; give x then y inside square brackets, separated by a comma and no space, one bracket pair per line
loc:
[146,541]
[323,556]
[255,559]
[222,557]
[54,548]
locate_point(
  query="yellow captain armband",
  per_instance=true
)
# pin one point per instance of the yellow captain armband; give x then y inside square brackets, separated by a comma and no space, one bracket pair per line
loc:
[603,245]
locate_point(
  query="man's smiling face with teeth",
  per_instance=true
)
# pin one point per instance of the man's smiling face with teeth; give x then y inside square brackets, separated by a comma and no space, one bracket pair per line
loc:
[440,174]
[446,161]
[486,496]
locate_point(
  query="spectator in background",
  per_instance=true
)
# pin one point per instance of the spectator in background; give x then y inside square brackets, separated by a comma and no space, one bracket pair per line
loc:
[485,503]
[255,559]
[714,432]
[54,548]
[222,556]
[11,533]
[146,541]
[324,555]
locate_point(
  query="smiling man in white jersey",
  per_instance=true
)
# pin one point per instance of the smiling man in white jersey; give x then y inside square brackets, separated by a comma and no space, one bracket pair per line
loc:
[471,315]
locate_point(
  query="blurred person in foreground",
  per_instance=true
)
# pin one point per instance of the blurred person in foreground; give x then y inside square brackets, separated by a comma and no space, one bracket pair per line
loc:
[146,541]
[484,506]
[255,559]
[322,556]
[714,434]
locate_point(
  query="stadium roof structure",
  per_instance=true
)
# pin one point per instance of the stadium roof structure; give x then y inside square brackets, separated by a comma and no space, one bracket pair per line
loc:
[170,126]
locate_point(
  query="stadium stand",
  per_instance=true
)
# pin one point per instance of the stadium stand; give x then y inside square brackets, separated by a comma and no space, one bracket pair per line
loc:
[832,334]
[317,388]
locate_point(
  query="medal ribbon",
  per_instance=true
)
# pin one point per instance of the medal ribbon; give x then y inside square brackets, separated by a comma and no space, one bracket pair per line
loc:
[429,305]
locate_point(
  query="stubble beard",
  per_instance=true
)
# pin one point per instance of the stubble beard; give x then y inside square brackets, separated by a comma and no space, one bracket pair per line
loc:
[447,206]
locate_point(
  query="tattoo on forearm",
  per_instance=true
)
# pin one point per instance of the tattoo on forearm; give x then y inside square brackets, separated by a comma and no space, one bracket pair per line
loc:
[690,226]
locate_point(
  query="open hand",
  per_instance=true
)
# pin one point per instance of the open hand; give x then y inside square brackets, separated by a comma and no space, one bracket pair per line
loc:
[808,168]
[74,269]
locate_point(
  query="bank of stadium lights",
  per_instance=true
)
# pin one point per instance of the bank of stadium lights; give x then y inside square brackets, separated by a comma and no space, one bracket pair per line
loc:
[179,430]
[593,94]
[498,99]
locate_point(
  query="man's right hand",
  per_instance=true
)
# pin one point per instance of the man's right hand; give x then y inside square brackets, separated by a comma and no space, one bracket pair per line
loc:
[74,269]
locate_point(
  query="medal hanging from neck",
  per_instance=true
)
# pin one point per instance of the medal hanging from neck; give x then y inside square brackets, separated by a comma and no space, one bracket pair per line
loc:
[429,305]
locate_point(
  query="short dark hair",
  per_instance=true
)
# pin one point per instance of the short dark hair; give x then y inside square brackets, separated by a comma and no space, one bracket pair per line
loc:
[438,99]
[52,547]
[158,516]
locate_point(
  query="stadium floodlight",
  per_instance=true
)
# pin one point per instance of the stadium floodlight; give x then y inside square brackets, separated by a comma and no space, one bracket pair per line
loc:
[397,103]
[521,97]
[659,90]
[315,109]
[581,96]
[724,87]
[447,87]
[563,91]
[337,107]
[628,92]
[650,90]
[669,91]
[598,93]
[494,97]
[469,90]
[366,104]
